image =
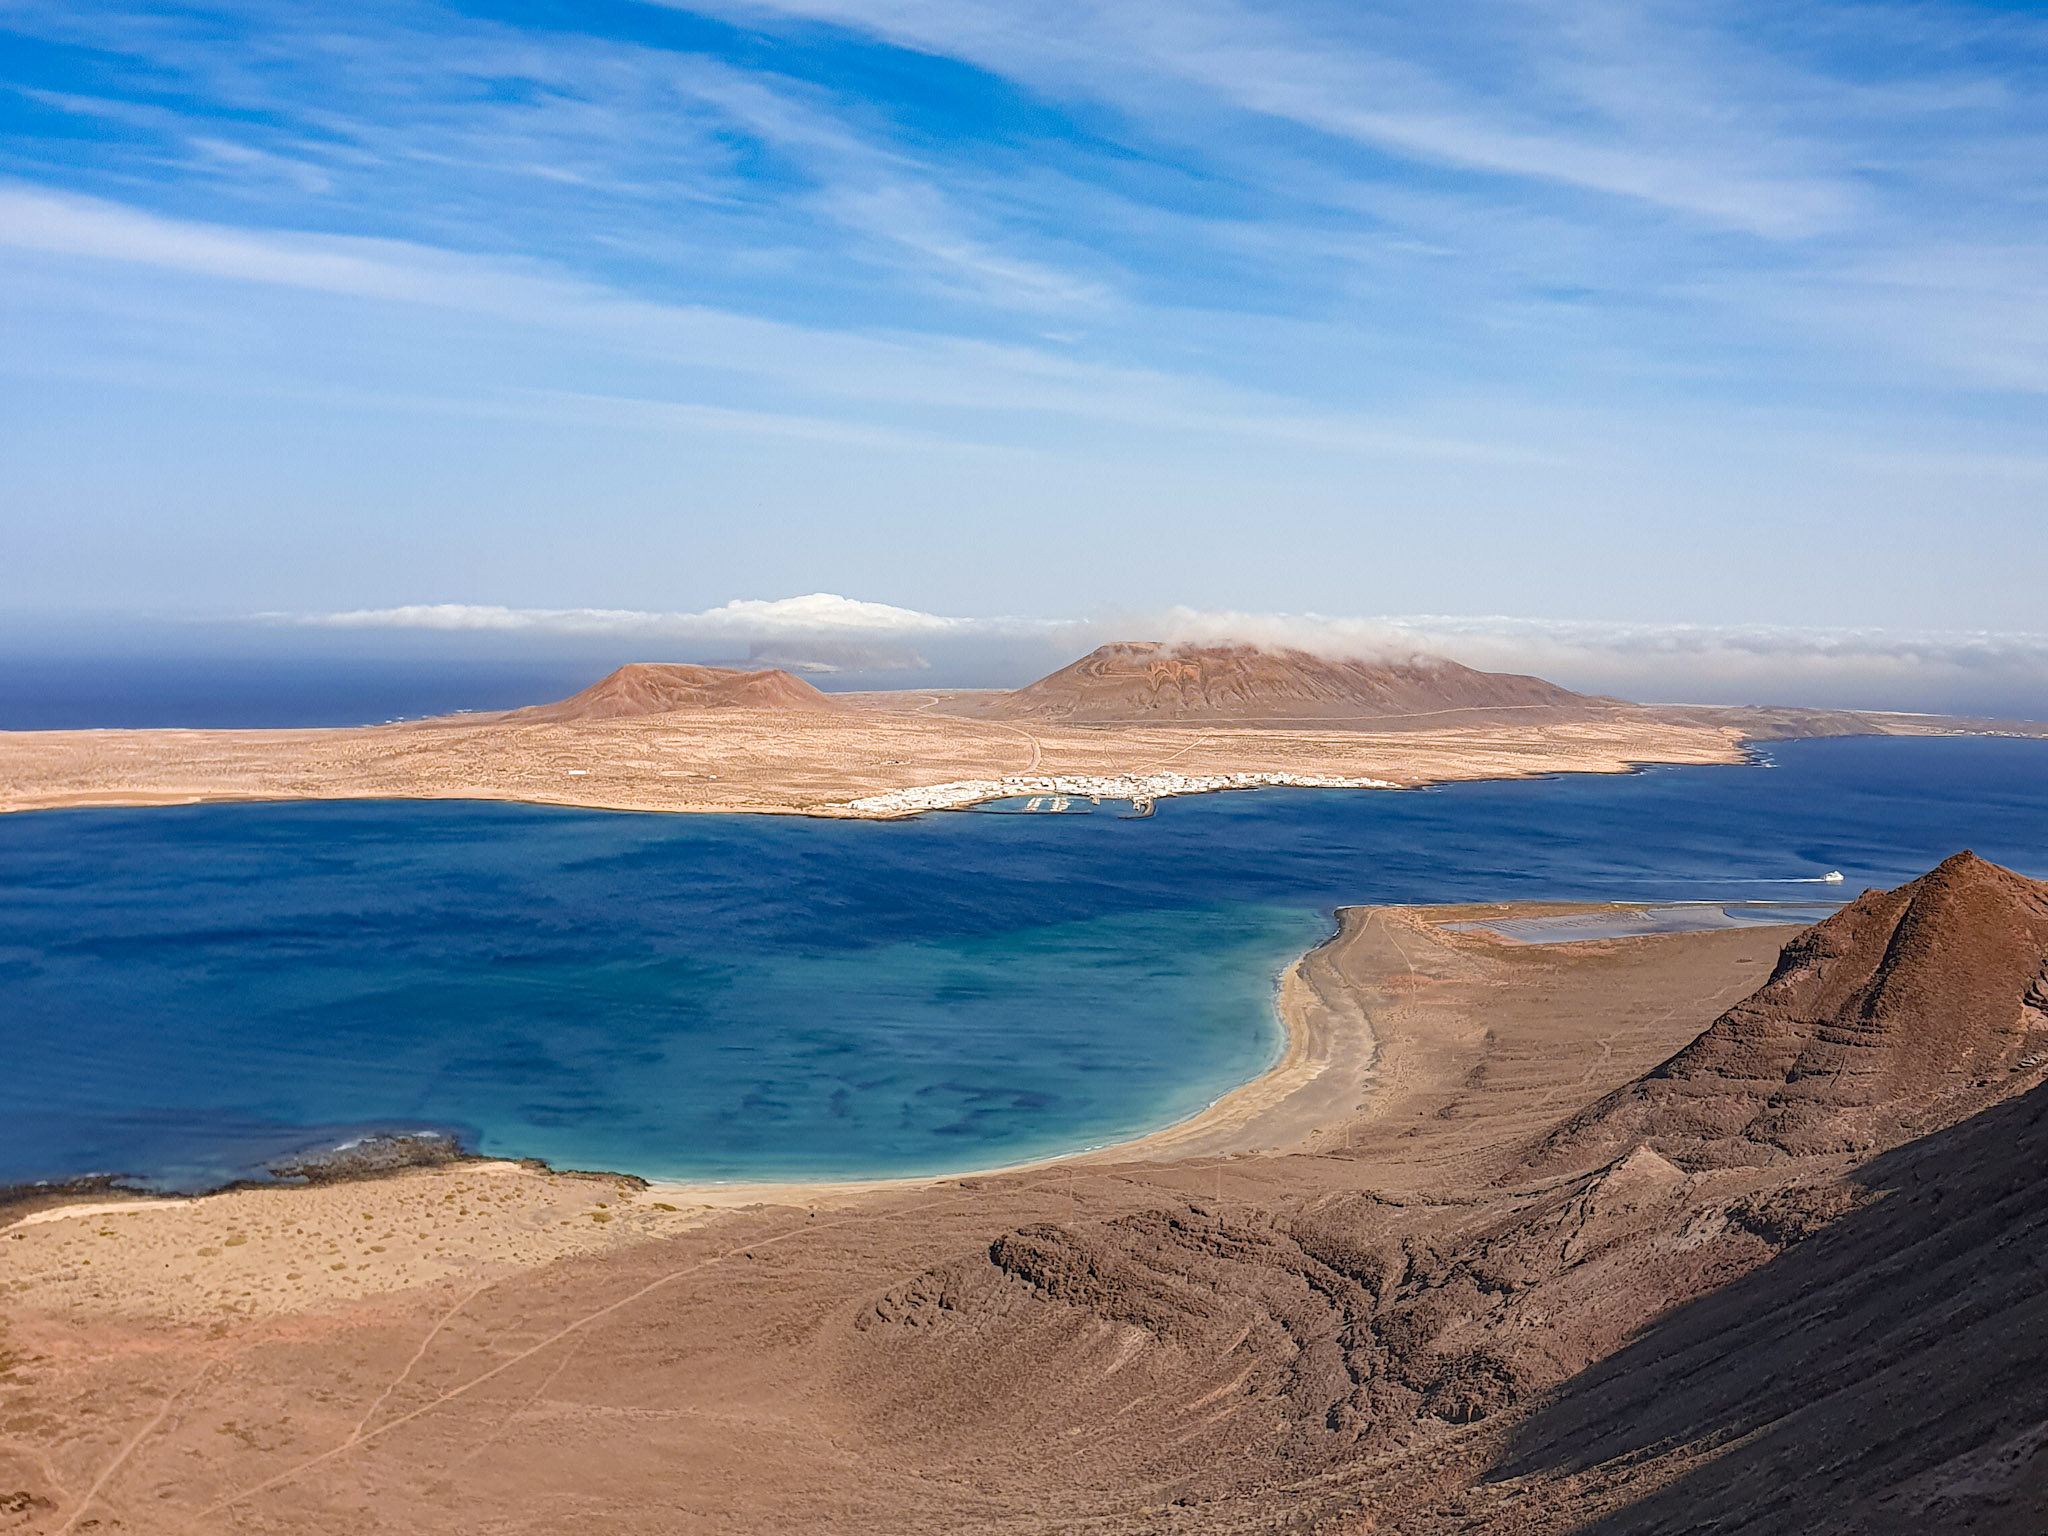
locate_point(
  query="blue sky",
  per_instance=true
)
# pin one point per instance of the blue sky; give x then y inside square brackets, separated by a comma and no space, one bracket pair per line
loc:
[1701,314]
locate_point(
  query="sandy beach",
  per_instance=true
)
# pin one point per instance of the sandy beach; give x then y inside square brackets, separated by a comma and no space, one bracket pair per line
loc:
[887,768]
[1324,1083]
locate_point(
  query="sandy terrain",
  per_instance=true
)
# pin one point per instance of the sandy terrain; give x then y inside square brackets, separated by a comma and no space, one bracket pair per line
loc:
[266,1252]
[741,759]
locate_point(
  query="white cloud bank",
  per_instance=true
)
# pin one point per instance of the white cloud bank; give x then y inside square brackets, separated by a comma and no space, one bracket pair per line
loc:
[1872,668]
[815,613]
[1867,668]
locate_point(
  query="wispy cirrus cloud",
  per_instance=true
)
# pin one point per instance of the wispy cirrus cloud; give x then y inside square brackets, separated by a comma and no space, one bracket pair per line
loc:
[1672,285]
[1604,98]
[891,369]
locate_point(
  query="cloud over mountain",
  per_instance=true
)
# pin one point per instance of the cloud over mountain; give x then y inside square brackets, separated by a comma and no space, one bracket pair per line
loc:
[1966,671]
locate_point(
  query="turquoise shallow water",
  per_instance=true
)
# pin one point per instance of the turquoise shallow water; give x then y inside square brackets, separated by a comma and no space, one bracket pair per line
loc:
[187,993]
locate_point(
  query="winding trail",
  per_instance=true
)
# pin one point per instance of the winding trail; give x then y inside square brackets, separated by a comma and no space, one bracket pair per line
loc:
[418,1355]
[1037,747]
[121,1457]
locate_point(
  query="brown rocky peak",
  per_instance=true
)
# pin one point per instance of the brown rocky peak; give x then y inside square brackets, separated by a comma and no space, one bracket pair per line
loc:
[1149,681]
[1903,1012]
[655,688]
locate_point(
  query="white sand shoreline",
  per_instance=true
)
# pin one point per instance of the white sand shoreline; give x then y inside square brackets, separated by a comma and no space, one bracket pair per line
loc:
[1323,1033]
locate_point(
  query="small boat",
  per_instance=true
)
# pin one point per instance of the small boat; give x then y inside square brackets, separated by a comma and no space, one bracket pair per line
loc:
[1832,877]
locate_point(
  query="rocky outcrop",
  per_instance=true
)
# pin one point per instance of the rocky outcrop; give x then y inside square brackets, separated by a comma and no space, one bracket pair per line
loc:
[1883,1377]
[1333,1327]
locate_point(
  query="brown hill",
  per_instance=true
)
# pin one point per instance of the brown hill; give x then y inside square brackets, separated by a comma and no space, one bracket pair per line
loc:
[1714,1274]
[1148,682]
[656,688]
[1897,1015]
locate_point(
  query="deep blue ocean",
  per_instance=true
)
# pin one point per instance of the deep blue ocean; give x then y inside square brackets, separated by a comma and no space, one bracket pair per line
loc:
[187,993]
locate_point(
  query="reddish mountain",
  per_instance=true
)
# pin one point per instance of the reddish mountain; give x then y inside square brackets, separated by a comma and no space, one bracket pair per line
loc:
[1833,1343]
[1901,1013]
[655,688]
[1147,682]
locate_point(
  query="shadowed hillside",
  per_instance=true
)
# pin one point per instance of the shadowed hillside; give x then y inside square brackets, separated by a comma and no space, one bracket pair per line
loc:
[1889,1375]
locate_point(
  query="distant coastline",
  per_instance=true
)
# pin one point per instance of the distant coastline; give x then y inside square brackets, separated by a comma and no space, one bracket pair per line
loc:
[1136,721]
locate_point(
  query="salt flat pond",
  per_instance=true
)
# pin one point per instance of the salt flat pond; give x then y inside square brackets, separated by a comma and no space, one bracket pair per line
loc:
[186,993]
